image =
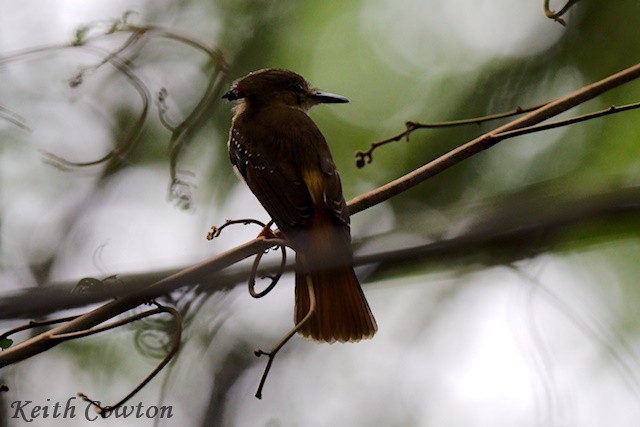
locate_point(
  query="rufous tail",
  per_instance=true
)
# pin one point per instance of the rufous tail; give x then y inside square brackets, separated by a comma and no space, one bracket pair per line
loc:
[341,310]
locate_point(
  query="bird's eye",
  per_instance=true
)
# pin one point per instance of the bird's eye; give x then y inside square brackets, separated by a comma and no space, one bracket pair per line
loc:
[298,88]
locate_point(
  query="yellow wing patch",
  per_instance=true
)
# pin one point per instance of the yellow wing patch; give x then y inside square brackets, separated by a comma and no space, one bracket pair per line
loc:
[314,179]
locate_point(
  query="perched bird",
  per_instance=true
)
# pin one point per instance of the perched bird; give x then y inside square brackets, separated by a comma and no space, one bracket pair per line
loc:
[285,160]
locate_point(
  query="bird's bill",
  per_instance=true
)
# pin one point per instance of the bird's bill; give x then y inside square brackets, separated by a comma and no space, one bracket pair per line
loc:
[232,95]
[329,98]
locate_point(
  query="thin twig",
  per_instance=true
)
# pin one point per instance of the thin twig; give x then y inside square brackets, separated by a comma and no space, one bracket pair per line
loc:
[14,118]
[104,410]
[179,189]
[563,212]
[560,123]
[215,230]
[203,270]
[365,157]
[274,279]
[127,143]
[556,16]
[272,354]
[113,325]
[488,140]
[35,324]
[163,109]
[188,276]
[266,231]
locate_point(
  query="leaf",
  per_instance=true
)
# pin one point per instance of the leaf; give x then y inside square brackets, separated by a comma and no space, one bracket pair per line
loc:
[5,343]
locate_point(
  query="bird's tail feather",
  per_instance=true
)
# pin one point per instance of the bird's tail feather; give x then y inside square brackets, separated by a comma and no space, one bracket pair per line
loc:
[341,309]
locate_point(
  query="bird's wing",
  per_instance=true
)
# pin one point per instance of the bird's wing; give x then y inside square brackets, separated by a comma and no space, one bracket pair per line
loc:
[332,194]
[276,183]
[289,172]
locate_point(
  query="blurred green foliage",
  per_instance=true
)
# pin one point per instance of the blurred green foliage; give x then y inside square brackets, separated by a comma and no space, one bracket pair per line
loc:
[396,61]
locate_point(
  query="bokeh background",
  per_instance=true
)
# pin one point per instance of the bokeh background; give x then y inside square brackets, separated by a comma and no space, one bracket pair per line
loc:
[544,332]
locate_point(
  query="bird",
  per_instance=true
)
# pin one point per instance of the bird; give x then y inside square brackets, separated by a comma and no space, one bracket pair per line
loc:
[283,157]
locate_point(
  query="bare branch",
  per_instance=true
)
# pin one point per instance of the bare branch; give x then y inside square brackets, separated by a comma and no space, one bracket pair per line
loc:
[13,118]
[590,116]
[540,216]
[177,318]
[200,272]
[272,354]
[34,324]
[180,133]
[123,146]
[191,275]
[556,16]
[275,278]
[488,140]
[215,230]
[365,157]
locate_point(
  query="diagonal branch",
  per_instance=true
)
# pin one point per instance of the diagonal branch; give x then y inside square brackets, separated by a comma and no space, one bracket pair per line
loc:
[104,411]
[582,118]
[202,270]
[365,157]
[489,139]
[47,340]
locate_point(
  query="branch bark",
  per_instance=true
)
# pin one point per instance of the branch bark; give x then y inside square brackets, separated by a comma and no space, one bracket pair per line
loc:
[489,139]
[45,341]
[196,273]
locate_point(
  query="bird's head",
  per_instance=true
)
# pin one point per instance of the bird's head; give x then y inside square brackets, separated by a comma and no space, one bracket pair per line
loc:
[277,86]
